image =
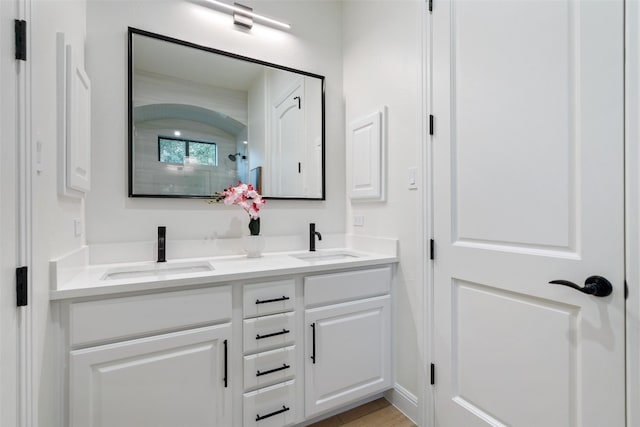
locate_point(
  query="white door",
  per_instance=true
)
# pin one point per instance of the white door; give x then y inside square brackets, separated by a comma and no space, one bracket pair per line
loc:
[288,147]
[528,188]
[177,379]
[347,353]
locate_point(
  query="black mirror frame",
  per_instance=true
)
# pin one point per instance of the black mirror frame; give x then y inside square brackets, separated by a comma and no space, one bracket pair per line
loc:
[131,32]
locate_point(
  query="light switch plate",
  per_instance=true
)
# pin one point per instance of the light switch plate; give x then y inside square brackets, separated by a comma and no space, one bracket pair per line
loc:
[358,220]
[39,164]
[77,227]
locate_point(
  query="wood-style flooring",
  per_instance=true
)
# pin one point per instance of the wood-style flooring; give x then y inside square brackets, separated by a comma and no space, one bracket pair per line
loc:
[377,413]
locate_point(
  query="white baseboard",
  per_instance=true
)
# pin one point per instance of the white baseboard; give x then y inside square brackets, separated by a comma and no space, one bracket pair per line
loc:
[405,401]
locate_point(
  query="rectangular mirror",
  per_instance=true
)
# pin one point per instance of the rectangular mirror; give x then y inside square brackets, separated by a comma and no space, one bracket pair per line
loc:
[201,119]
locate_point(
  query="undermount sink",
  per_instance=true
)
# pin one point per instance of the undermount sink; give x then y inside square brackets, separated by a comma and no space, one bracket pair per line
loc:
[158,269]
[325,256]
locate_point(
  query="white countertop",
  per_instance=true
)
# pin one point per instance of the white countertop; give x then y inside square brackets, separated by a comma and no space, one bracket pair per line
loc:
[89,281]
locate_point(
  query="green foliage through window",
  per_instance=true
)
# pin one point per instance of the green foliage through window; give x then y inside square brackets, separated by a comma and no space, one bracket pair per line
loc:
[175,150]
[204,152]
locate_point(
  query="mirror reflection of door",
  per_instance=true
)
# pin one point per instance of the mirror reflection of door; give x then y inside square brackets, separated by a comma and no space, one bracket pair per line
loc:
[288,147]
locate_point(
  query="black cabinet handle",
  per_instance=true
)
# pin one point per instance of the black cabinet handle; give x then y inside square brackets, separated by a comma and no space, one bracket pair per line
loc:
[262,417]
[282,332]
[313,343]
[225,364]
[597,286]
[271,371]
[265,301]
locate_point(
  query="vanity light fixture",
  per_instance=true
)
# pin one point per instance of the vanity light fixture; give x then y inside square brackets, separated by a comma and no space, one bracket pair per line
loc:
[177,133]
[241,17]
[244,15]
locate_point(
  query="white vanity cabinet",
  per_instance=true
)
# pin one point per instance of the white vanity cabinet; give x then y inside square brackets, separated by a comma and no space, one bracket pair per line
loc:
[157,360]
[347,337]
[248,352]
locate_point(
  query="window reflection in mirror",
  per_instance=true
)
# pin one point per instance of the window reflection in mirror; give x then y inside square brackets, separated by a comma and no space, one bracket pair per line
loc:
[202,120]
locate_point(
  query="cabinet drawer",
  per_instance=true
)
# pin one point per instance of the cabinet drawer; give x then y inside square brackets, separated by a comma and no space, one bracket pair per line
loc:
[271,406]
[268,298]
[267,332]
[269,367]
[350,285]
[126,317]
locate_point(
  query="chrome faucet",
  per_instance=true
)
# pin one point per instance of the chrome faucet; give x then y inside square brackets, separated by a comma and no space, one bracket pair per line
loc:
[162,242]
[312,237]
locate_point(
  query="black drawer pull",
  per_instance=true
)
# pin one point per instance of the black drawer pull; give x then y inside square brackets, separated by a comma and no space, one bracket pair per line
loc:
[271,371]
[284,331]
[262,417]
[265,301]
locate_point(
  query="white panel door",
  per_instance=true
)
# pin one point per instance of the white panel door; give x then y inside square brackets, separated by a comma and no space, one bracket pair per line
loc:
[177,379]
[288,147]
[347,352]
[528,188]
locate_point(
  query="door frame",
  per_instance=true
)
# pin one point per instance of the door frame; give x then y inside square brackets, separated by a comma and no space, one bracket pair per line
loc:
[22,389]
[632,216]
[426,399]
[632,207]
[9,135]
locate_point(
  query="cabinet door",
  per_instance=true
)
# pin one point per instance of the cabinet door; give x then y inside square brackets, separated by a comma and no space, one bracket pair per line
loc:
[347,352]
[177,379]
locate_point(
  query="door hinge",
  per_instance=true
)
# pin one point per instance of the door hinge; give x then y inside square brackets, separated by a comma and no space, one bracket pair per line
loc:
[430,6]
[21,286]
[21,39]
[432,250]
[626,290]
[433,374]
[430,124]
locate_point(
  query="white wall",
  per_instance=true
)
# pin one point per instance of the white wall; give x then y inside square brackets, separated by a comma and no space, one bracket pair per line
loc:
[382,66]
[313,44]
[53,216]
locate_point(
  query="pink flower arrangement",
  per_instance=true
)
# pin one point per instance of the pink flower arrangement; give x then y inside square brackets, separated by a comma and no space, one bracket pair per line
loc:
[245,196]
